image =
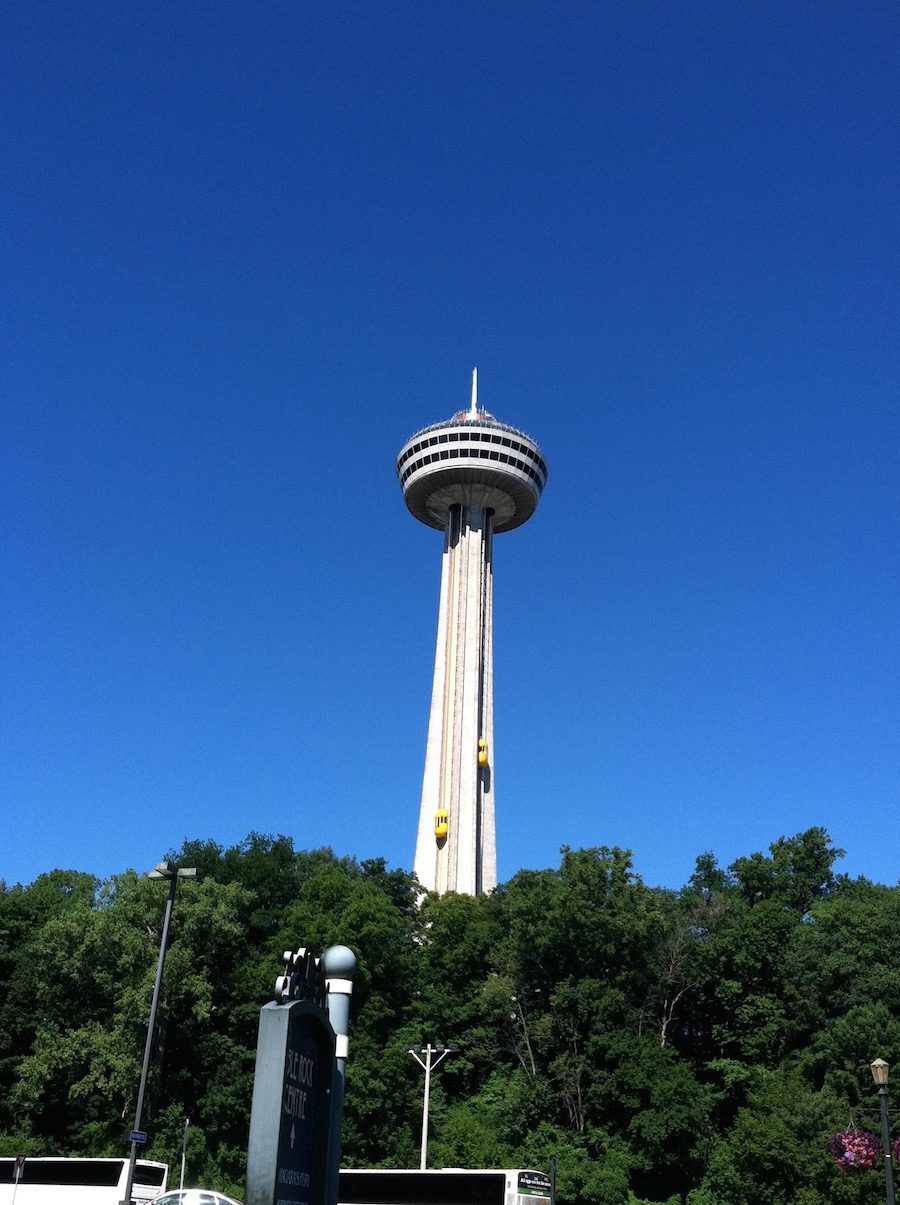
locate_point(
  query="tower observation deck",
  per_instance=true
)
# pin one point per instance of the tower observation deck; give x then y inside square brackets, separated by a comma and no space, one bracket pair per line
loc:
[471,477]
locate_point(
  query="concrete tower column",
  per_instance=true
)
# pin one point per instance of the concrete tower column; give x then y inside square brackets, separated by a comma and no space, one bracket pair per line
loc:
[461,716]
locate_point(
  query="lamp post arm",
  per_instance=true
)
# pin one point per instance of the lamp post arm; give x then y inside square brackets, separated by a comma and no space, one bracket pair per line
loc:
[429,1051]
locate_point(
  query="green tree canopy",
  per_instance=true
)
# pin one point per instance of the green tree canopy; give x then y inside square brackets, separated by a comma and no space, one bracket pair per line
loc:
[696,1047]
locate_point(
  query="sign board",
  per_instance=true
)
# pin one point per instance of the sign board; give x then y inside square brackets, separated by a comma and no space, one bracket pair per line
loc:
[291,1114]
[138,1136]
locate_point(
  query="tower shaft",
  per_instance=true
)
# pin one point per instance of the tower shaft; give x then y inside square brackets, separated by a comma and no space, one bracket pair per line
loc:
[455,786]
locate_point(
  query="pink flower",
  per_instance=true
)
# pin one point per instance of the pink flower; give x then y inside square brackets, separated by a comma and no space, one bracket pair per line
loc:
[855,1150]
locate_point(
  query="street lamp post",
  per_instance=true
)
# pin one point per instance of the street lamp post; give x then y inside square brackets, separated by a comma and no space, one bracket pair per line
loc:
[880,1075]
[427,1065]
[171,873]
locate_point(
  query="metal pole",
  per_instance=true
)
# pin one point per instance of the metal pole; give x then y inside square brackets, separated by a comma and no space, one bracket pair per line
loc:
[187,1122]
[886,1144]
[340,967]
[428,1051]
[19,1166]
[151,1025]
[424,1147]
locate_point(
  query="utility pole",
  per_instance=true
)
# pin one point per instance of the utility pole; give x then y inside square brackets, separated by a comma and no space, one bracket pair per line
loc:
[429,1062]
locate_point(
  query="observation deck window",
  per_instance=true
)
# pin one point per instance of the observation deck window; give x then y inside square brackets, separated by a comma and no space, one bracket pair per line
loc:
[467,438]
[469,453]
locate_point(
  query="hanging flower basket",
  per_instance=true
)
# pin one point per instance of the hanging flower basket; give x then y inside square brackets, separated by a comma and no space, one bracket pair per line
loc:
[895,1150]
[855,1150]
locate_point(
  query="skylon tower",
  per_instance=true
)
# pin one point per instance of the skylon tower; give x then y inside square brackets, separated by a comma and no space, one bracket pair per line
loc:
[472,477]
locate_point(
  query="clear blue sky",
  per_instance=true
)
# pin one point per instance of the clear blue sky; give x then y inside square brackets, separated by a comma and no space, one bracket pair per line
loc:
[249,248]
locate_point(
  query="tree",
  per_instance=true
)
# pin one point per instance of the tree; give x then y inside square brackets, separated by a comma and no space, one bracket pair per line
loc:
[777,1151]
[799,873]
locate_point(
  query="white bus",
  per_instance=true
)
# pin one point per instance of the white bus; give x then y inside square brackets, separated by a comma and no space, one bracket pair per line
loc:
[61,1181]
[447,1186]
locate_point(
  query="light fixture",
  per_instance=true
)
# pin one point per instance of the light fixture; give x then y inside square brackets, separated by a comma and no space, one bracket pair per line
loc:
[880,1072]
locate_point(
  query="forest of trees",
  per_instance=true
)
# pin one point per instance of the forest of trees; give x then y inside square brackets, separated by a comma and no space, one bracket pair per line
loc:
[697,1047]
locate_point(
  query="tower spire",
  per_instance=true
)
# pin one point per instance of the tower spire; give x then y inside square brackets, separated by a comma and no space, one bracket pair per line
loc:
[473,409]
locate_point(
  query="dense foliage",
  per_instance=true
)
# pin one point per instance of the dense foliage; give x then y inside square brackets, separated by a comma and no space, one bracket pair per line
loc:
[700,1047]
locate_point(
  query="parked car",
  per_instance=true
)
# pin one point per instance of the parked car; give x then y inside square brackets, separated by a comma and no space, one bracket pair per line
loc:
[194,1196]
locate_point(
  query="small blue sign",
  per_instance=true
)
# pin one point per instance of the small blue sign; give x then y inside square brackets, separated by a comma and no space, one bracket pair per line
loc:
[138,1136]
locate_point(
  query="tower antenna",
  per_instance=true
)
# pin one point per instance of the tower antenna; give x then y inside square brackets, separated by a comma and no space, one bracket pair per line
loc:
[474,407]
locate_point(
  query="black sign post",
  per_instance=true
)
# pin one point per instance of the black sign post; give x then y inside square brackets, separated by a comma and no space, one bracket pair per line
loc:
[291,1114]
[291,1117]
